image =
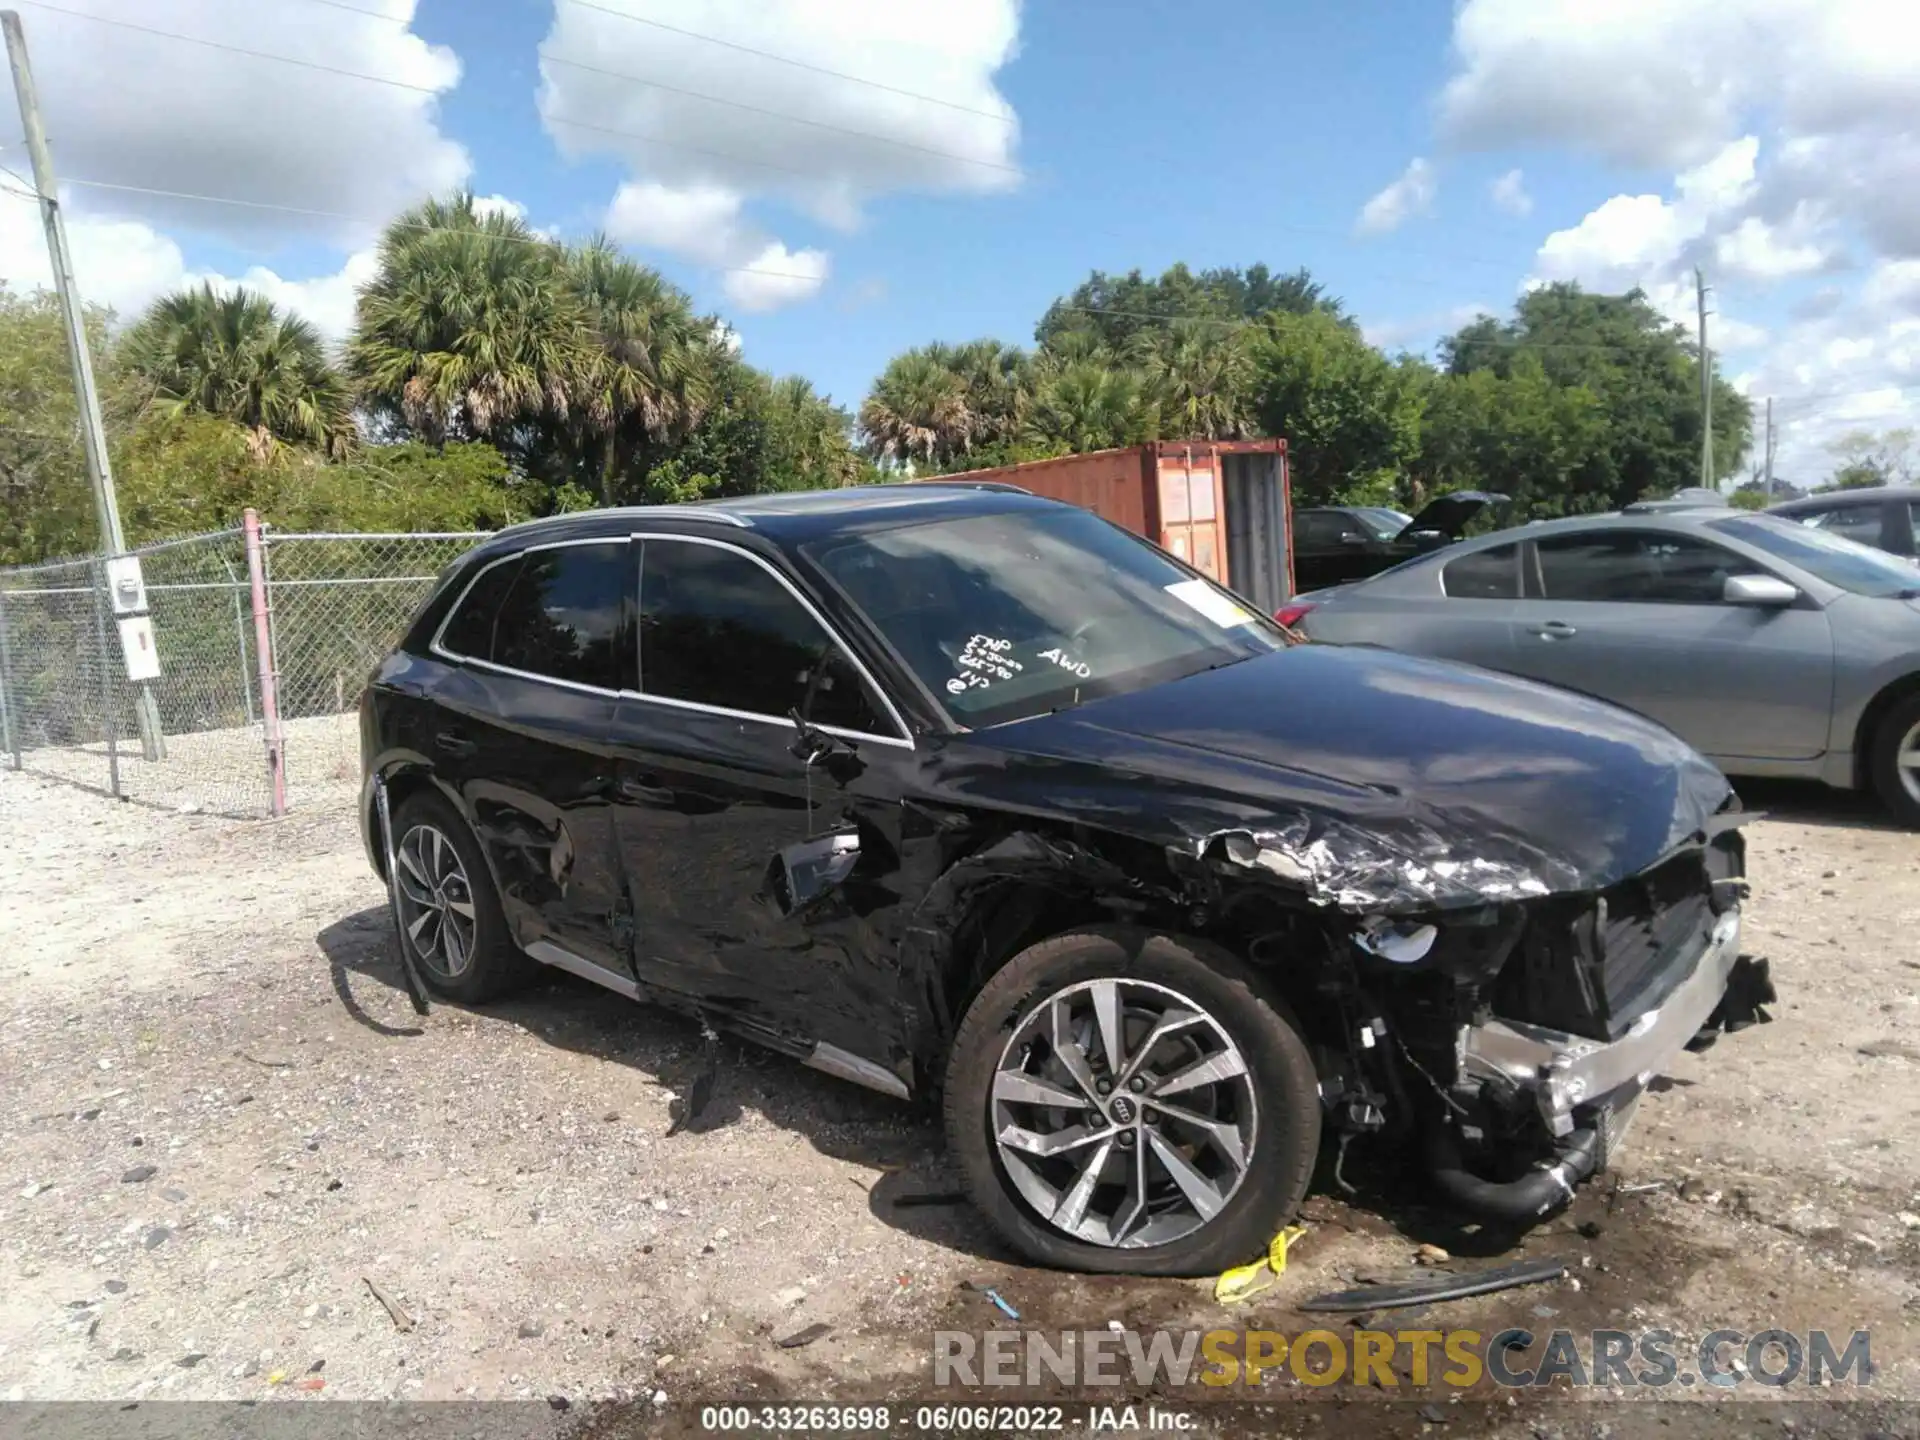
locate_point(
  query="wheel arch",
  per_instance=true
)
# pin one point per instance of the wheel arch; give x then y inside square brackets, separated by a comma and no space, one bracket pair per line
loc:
[404,778]
[1031,884]
[1888,696]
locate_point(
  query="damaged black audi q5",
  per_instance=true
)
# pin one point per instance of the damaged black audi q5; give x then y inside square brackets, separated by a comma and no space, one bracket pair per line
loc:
[953,791]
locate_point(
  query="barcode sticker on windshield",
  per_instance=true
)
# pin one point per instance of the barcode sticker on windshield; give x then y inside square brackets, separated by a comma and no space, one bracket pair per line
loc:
[1199,595]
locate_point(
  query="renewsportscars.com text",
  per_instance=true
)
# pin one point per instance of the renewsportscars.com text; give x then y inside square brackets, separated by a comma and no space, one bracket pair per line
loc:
[1652,1359]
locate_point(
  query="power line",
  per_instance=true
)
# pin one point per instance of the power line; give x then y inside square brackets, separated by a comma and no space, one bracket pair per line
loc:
[434,90]
[779,114]
[235,49]
[999,116]
[381,224]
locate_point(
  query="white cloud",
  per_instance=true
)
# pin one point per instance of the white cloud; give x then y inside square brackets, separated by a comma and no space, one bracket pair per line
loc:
[126,265]
[1509,193]
[777,276]
[132,108]
[708,129]
[698,221]
[1412,194]
[126,107]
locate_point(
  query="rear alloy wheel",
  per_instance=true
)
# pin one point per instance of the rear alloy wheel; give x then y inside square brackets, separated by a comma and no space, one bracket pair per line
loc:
[1122,1101]
[1895,761]
[450,917]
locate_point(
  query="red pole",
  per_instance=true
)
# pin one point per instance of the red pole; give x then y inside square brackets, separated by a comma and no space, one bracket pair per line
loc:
[263,650]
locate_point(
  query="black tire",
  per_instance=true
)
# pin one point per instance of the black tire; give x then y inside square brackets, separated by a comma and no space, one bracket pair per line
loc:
[1286,1135]
[494,965]
[1883,761]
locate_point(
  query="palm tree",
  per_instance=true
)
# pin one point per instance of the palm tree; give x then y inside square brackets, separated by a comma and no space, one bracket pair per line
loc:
[1086,405]
[814,432]
[236,356]
[1202,374]
[918,407]
[647,377]
[468,329]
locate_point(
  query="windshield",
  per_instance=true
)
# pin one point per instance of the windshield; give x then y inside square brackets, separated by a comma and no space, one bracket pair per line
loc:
[1384,523]
[1016,614]
[1836,560]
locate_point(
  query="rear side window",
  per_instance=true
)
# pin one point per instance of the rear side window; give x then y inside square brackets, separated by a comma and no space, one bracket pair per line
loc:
[1484,575]
[1861,523]
[1648,567]
[469,630]
[716,628]
[557,613]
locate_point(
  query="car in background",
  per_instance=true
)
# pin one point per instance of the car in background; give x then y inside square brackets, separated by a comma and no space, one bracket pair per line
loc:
[954,791]
[1335,544]
[1773,648]
[1886,517]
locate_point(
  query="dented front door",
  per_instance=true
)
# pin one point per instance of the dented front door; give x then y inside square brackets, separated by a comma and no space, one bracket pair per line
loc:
[763,888]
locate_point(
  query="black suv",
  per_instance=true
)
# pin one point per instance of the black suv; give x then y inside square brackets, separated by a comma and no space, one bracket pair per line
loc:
[949,789]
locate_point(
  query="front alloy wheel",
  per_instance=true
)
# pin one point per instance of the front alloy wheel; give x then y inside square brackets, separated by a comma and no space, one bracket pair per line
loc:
[1123,1113]
[1132,1102]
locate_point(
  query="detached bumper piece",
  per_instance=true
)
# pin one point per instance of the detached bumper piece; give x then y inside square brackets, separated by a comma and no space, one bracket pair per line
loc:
[1584,1090]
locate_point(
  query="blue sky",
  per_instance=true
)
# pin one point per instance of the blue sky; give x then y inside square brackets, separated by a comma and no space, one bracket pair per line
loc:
[1422,160]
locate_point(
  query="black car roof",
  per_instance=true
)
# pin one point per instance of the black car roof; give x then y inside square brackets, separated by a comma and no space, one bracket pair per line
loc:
[786,517]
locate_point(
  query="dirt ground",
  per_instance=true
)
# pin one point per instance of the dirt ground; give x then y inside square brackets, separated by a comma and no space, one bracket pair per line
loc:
[225,1129]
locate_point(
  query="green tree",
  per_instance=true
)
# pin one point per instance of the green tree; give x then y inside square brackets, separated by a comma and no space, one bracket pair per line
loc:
[469,330]
[1867,459]
[1642,369]
[1085,405]
[1517,434]
[1202,377]
[917,410]
[1118,309]
[46,508]
[235,356]
[647,376]
[1350,416]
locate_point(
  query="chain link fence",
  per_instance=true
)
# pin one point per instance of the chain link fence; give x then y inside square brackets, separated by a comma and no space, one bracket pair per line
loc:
[198,736]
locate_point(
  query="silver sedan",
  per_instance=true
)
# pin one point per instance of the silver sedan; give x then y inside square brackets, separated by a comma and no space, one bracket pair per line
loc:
[1772,648]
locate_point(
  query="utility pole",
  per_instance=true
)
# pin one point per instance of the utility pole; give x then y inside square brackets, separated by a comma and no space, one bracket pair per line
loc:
[1769,450]
[93,430]
[1706,385]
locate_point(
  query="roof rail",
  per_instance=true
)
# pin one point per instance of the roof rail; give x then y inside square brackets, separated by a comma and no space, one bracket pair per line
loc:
[1000,485]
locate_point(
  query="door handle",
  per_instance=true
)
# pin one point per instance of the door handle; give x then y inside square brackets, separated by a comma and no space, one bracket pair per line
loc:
[646,794]
[454,743]
[1554,630]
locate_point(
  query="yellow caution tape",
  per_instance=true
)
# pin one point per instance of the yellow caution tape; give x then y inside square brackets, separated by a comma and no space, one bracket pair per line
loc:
[1243,1282]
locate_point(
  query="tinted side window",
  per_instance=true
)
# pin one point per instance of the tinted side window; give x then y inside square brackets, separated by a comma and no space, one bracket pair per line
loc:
[1323,531]
[718,629]
[1913,527]
[469,630]
[1484,575]
[565,616]
[1643,566]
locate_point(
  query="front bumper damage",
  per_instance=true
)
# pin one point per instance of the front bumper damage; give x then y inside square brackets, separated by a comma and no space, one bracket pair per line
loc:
[1566,1074]
[1584,1092]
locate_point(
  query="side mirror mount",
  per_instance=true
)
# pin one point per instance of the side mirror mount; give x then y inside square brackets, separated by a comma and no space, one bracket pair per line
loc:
[1765,591]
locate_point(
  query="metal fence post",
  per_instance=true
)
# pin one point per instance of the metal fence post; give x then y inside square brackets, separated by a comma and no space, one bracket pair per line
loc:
[263,652]
[109,709]
[6,667]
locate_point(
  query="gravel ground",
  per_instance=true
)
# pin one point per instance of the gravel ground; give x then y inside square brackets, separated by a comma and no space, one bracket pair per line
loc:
[226,1128]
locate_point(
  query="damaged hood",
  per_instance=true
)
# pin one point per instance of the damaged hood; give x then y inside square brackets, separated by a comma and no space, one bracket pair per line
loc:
[1374,781]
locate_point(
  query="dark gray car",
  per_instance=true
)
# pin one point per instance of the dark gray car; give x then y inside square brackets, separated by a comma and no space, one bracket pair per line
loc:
[1773,648]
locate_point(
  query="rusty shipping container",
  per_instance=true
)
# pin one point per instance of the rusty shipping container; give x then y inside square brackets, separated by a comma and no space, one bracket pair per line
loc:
[1222,506]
